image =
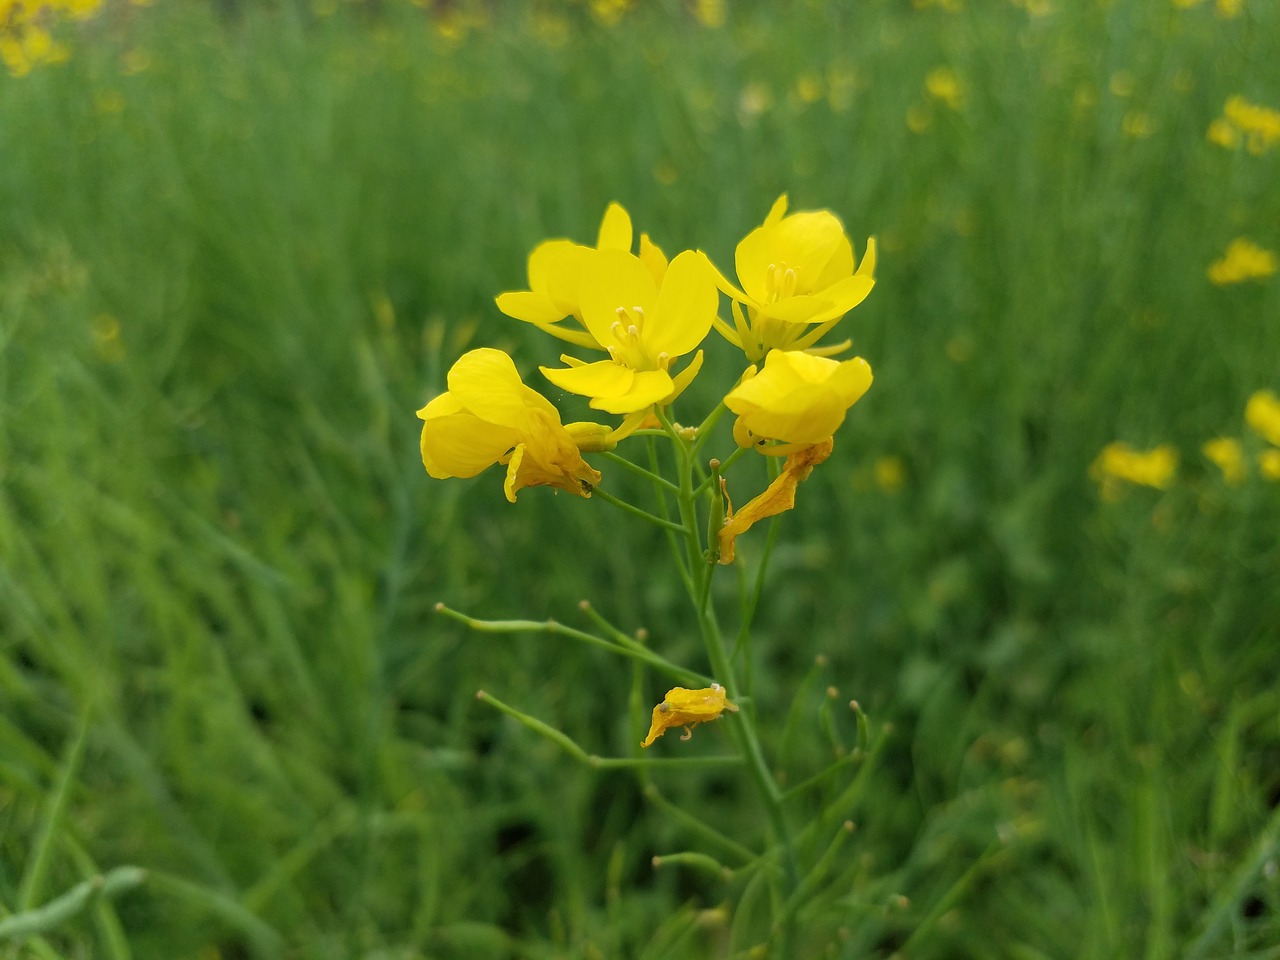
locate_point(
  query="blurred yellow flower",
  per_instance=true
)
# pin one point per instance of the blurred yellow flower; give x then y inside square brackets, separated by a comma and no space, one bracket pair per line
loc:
[556,268]
[798,280]
[797,399]
[943,84]
[1228,454]
[687,708]
[1269,464]
[489,416]
[1229,9]
[645,323]
[710,13]
[1257,126]
[1119,463]
[1243,260]
[778,497]
[1262,414]
[889,473]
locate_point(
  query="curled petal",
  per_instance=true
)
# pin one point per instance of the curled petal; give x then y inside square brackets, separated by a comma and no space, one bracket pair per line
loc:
[778,497]
[687,708]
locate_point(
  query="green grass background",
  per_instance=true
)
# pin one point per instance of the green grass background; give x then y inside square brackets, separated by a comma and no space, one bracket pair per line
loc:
[219,552]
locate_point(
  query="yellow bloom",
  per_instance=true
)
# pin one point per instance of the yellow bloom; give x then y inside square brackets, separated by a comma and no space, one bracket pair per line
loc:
[489,416]
[1119,463]
[797,399]
[556,268]
[1244,260]
[1262,414]
[1269,464]
[1228,454]
[778,497]
[798,280]
[1258,125]
[645,324]
[687,708]
[943,84]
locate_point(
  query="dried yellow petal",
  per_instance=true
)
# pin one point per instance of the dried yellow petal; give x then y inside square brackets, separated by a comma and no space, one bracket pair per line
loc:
[687,708]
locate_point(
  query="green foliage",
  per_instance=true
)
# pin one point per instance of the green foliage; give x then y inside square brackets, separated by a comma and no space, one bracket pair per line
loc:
[228,279]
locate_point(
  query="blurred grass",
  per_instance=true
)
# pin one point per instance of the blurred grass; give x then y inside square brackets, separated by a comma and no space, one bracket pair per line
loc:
[228,279]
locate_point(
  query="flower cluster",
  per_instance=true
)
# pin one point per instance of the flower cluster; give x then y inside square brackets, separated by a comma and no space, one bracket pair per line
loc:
[1243,260]
[1255,126]
[25,38]
[1119,465]
[637,321]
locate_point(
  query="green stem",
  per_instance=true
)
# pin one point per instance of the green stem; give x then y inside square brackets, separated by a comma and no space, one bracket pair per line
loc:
[570,746]
[632,509]
[634,650]
[649,475]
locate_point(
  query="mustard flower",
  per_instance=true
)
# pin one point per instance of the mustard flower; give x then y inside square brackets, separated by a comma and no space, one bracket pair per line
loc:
[1228,454]
[1119,463]
[1269,465]
[778,497]
[798,280]
[687,708]
[556,268]
[645,323]
[797,399]
[1262,414]
[1244,260]
[489,416]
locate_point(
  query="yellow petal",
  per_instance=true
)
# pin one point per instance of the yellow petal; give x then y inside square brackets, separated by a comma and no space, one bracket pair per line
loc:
[653,258]
[530,306]
[686,305]
[604,378]
[682,380]
[460,444]
[614,279]
[778,497]
[647,388]
[486,382]
[615,229]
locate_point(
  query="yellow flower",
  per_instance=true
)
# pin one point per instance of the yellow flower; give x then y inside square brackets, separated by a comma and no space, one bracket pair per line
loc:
[1244,260]
[687,708]
[1269,464]
[1228,454]
[797,399]
[556,268]
[489,416]
[1259,125]
[644,323]
[798,280]
[1119,463]
[1262,414]
[778,497]
[943,84]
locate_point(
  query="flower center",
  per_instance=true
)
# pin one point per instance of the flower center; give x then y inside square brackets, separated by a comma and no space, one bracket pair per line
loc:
[629,347]
[780,282]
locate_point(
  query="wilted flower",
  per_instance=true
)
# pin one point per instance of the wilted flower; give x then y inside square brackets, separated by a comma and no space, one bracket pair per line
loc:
[687,708]
[489,416]
[778,497]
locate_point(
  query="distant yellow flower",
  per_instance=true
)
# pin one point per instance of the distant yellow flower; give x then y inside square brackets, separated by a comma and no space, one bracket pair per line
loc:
[710,13]
[556,268]
[889,473]
[778,497]
[1228,454]
[1243,260]
[489,416]
[1262,414]
[687,708]
[943,84]
[1269,464]
[1229,9]
[1256,125]
[644,324]
[798,280]
[1119,463]
[797,399]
